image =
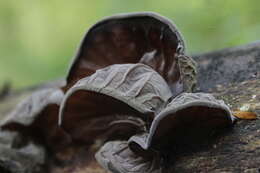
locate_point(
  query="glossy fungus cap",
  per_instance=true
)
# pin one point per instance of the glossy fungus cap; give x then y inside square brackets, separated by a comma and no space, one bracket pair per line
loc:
[143,37]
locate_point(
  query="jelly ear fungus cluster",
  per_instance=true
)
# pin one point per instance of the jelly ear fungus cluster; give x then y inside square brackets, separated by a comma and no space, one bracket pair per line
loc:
[129,89]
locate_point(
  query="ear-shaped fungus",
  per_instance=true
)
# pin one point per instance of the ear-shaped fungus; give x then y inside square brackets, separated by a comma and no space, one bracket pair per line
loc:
[146,38]
[116,156]
[37,117]
[187,117]
[115,101]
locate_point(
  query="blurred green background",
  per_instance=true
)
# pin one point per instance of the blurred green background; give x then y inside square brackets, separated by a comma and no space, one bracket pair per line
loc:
[39,37]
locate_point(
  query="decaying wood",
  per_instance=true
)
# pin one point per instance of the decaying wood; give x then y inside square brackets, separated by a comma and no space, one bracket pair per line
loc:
[232,75]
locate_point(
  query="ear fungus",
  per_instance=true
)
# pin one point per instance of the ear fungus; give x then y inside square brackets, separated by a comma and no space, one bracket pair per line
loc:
[88,115]
[146,38]
[117,93]
[116,156]
[185,118]
[119,87]
[37,117]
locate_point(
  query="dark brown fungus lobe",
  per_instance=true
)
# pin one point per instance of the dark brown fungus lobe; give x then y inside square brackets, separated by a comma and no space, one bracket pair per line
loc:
[146,38]
[89,116]
[115,102]
[187,119]
[36,118]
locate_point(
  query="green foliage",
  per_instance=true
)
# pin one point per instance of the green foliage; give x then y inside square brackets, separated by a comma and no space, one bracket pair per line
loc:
[39,38]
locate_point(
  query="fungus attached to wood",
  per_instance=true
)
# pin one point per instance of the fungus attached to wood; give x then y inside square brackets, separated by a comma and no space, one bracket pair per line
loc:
[187,118]
[127,96]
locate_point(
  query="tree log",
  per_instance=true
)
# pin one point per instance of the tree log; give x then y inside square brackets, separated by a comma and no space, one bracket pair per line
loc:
[231,74]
